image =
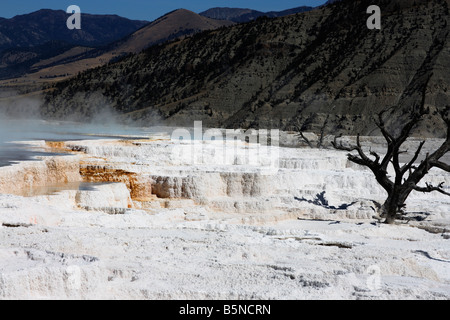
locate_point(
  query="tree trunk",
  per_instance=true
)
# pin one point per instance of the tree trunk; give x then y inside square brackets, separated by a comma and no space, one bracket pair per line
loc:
[393,204]
[390,208]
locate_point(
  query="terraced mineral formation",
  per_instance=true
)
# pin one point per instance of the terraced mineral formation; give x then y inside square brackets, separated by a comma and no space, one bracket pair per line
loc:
[50,171]
[150,219]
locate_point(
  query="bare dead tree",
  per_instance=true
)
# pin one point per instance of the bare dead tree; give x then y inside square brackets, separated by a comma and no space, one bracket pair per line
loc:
[299,127]
[408,175]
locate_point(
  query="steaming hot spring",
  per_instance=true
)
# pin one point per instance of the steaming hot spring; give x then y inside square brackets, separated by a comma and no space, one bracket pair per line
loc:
[136,214]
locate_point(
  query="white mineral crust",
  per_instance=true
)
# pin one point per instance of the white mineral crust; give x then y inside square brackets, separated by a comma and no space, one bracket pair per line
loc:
[215,229]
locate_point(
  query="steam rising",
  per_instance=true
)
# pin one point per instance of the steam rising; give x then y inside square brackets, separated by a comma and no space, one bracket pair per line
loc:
[20,121]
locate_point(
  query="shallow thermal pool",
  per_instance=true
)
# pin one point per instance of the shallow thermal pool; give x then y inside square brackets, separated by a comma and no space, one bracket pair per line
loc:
[12,132]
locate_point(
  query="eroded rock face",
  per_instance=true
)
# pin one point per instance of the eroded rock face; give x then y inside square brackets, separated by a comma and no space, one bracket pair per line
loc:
[50,171]
[140,186]
[210,184]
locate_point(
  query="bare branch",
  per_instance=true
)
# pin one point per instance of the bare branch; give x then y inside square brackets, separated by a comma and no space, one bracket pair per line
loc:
[431,188]
[395,145]
[410,164]
[340,146]
[356,160]
[322,132]
[396,164]
[406,131]
[306,139]
[379,172]
[431,161]
[376,155]
[380,124]
[360,150]
[362,156]
[441,165]
[299,128]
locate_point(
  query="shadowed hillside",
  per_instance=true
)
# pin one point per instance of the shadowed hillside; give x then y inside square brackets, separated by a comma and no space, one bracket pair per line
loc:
[45,25]
[66,60]
[26,40]
[272,72]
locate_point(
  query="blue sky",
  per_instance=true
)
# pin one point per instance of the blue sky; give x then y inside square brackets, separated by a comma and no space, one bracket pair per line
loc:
[145,9]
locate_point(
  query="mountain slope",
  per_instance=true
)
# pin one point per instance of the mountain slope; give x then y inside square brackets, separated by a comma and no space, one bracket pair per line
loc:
[45,25]
[173,25]
[232,14]
[26,40]
[245,15]
[322,64]
[15,62]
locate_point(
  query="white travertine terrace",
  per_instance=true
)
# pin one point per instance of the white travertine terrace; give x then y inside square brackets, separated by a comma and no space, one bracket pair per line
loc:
[165,225]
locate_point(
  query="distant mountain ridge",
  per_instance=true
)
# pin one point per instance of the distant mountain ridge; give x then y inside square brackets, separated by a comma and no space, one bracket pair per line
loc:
[46,25]
[28,39]
[40,43]
[172,25]
[176,24]
[239,15]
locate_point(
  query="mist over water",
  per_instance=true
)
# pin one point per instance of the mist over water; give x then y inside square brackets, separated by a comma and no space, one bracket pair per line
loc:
[22,130]
[20,121]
